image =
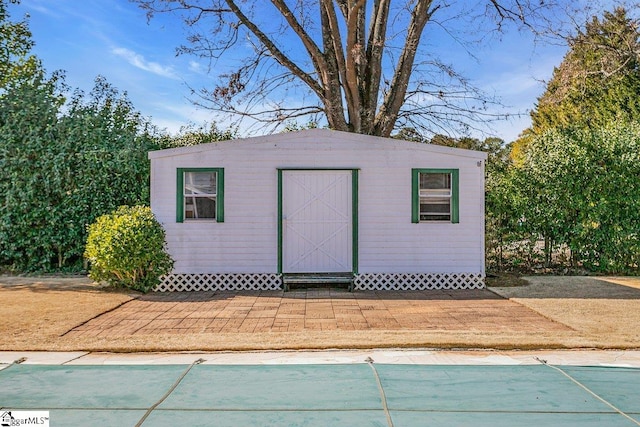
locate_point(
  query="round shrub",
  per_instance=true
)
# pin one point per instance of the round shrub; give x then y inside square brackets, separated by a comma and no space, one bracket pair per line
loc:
[127,248]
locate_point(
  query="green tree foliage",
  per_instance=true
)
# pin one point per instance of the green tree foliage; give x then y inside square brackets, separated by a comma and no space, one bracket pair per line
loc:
[63,167]
[294,126]
[493,146]
[575,177]
[102,149]
[64,162]
[192,134]
[597,83]
[579,189]
[28,133]
[16,64]
[501,225]
[409,134]
[127,248]
[599,79]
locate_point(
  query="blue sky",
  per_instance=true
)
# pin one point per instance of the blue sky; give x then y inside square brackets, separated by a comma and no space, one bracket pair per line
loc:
[112,38]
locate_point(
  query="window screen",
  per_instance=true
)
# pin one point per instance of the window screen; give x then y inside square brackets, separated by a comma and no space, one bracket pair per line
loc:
[435,196]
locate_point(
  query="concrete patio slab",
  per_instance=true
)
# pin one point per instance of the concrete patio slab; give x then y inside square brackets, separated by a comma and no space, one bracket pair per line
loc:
[40,357]
[603,358]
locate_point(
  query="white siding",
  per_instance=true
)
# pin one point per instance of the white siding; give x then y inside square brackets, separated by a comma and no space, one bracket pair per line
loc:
[388,241]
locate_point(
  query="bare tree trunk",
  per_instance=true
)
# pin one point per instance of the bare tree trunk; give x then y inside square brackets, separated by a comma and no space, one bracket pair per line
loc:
[548,246]
[388,114]
[373,68]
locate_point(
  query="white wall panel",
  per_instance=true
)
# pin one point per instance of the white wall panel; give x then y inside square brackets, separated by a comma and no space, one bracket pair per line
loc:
[388,241]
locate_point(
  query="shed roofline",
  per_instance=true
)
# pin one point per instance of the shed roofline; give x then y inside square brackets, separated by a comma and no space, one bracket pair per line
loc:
[291,136]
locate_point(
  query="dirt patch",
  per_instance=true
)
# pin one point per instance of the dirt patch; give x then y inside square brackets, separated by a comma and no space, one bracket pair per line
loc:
[505,280]
[36,312]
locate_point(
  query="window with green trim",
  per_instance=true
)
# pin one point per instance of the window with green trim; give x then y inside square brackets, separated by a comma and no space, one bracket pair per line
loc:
[435,195]
[200,194]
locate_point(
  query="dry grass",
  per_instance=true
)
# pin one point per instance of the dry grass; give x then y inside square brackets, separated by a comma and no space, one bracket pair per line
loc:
[603,313]
[36,312]
[606,308]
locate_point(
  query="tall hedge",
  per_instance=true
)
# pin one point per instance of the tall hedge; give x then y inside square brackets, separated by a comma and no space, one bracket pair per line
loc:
[61,168]
[581,189]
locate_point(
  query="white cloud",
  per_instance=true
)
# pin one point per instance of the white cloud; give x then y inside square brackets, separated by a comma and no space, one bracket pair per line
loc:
[173,115]
[139,61]
[517,84]
[42,9]
[196,67]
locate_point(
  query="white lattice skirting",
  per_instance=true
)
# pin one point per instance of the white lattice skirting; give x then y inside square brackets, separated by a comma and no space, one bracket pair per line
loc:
[186,282]
[219,282]
[417,281]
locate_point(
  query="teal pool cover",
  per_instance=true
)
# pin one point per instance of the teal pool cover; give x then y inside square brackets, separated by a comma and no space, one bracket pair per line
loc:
[365,394]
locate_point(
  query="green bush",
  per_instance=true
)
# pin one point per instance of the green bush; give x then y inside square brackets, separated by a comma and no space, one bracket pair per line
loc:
[574,197]
[127,248]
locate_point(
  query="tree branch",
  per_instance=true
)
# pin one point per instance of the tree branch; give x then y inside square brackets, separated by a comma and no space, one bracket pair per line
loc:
[278,55]
[312,48]
[386,117]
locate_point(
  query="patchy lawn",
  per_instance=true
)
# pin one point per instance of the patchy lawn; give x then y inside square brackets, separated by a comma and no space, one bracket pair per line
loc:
[607,308]
[36,312]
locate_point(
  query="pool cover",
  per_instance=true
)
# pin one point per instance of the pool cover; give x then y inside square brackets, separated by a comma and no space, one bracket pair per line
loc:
[361,394]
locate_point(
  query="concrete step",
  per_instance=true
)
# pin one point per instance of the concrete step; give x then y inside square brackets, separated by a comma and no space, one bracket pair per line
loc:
[317,280]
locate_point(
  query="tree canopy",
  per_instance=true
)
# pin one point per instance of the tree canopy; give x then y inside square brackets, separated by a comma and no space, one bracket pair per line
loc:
[64,165]
[61,167]
[578,188]
[16,62]
[598,80]
[365,66]
[66,157]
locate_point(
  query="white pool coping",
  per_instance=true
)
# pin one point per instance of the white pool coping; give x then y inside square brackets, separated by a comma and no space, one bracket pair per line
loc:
[610,358]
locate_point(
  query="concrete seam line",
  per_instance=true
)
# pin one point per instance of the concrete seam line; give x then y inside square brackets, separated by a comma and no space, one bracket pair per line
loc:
[385,407]
[168,393]
[588,390]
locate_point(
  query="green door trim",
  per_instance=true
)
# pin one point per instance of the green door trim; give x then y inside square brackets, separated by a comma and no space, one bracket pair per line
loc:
[354,213]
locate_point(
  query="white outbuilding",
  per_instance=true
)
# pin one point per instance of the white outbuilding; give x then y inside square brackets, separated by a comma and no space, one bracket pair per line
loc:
[320,205]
